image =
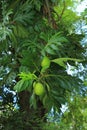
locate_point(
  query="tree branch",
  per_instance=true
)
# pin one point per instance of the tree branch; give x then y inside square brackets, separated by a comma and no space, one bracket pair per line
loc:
[49,11]
[62,10]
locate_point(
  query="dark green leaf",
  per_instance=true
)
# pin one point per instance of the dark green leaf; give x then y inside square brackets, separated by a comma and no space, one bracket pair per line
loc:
[23,85]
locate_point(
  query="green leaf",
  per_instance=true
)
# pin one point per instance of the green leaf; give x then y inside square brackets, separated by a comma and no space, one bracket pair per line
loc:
[57,38]
[19,86]
[23,85]
[47,102]
[20,31]
[30,59]
[37,5]
[85,82]
[49,50]
[44,36]
[62,61]
[53,43]
[61,100]
[44,69]
[33,101]
[27,76]
[11,77]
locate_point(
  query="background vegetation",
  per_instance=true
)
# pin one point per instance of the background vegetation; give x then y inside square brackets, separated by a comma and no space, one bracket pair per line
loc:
[42,42]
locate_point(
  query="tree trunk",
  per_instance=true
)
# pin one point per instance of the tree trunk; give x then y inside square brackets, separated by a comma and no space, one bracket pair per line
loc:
[31,114]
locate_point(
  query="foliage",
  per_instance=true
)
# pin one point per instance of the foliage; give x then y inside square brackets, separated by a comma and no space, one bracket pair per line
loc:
[74,117]
[50,126]
[30,31]
[16,120]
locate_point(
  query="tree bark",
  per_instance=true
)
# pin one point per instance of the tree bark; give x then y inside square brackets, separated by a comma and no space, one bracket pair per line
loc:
[31,113]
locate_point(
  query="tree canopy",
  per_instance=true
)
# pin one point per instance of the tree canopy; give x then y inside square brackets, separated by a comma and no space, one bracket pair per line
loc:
[39,40]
